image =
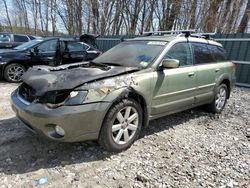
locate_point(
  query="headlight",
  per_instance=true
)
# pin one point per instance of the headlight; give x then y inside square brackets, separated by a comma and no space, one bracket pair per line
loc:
[76,98]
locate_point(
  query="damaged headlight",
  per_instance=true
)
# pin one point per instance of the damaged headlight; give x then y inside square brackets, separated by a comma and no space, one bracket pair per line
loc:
[76,98]
[59,98]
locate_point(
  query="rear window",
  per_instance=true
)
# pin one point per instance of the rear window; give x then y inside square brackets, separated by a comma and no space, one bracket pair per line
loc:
[202,54]
[20,38]
[75,46]
[217,52]
[5,37]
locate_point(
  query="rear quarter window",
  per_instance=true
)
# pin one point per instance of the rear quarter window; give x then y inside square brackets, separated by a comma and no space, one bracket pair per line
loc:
[21,38]
[217,52]
[202,54]
[75,46]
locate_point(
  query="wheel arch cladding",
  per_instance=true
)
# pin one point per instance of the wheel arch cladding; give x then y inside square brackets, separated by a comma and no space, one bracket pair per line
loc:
[132,94]
[142,102]
[227,83]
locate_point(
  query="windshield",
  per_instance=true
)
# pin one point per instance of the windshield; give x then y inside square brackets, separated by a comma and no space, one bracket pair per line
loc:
[27,45]
[5,37]
[132,54]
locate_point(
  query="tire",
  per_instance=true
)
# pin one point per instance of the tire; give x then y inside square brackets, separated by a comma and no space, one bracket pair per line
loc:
[220,99]
[118,132]
[13,72]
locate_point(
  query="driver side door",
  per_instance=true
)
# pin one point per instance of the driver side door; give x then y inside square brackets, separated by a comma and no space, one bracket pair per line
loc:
[44,54]
[175,88]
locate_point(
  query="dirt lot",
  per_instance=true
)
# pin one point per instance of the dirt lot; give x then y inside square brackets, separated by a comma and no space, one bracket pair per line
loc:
[188,149]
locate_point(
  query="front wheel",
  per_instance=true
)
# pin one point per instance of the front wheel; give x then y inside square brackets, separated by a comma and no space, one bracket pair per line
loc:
[121,126]
[13,72]
[220,99]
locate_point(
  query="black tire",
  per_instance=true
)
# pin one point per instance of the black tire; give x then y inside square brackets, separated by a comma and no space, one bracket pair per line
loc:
[108,135]
[13,72]
[214,107]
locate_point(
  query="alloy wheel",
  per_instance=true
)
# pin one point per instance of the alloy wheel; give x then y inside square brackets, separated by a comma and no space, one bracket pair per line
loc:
[125,125]
[15,72]
[221,98]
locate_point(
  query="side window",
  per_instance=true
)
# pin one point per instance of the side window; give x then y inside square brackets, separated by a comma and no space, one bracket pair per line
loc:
[182,52]
[48,46]
[75,46]
[218,53]
[202,54]
[21,38]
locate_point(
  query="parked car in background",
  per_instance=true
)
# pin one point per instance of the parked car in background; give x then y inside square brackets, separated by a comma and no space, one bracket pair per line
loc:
[113,97]
[10,40]
[52,51]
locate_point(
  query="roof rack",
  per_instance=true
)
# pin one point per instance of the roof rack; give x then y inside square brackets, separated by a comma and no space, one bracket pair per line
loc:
[206,36]
[186,33]
[171,32]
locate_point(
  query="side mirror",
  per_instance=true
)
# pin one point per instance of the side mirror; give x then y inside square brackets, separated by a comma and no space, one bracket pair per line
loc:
[35,51]
[170,63]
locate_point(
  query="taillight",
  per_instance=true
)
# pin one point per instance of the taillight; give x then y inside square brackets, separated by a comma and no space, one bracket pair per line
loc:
[234,67]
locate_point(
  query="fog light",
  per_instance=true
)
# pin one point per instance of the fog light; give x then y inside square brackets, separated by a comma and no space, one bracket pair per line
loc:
[60,131]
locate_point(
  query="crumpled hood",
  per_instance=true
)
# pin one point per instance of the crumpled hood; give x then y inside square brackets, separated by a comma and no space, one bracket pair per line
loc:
[44,78]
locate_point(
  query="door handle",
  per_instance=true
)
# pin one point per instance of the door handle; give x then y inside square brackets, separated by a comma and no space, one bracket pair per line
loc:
[217,70]
[191,74]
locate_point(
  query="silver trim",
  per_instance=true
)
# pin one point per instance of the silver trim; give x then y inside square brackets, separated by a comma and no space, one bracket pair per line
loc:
[22,100]
[173,93]
[206,86]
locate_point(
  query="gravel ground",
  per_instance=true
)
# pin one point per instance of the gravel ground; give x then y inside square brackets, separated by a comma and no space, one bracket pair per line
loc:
[188,149]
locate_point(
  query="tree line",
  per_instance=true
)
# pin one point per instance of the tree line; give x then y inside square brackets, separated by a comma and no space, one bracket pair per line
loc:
[116,17]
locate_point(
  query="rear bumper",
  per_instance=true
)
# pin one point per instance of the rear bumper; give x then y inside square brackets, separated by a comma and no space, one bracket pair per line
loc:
[80,123]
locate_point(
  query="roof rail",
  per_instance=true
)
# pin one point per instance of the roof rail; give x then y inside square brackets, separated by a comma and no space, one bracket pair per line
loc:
[171,32]
[206,36]
[186,33]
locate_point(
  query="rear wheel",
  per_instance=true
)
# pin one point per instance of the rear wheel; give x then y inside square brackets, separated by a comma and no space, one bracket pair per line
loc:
[220,99]
[121,126]
[13,72]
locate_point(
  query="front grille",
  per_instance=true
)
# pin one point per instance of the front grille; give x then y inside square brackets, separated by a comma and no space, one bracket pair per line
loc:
[27,92]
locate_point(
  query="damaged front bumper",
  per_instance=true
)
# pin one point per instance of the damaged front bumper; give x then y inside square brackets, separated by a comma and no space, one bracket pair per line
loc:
[78,123]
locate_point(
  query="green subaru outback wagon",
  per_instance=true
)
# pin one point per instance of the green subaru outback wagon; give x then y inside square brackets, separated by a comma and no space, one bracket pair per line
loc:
[112,98]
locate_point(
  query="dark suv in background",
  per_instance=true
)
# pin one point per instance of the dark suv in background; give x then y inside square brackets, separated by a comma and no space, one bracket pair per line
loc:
[10,40]
[52,51]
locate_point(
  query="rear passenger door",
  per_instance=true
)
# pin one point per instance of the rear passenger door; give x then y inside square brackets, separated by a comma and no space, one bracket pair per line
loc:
[175,88]
[206,72]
